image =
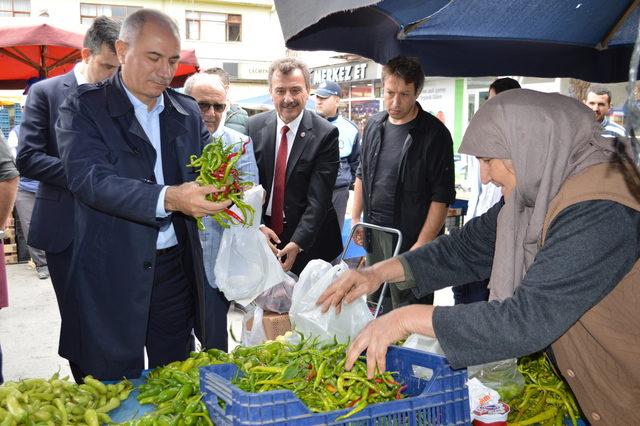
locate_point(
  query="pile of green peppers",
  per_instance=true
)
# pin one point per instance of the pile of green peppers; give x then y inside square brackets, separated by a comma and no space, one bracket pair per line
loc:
[546,399]
[175,391]
[315,374]
[313,371]
[58,401]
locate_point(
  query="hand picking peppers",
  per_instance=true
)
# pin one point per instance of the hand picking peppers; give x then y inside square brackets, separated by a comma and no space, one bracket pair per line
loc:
[217,166]
[546,398]
[60,402]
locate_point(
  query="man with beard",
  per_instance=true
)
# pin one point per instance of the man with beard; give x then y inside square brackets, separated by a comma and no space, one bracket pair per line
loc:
[137,276]
[298,159]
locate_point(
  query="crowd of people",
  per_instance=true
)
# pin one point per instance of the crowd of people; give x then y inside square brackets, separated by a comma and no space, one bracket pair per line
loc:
[547,260]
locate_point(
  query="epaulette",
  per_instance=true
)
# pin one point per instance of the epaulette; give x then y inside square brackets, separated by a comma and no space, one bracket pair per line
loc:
[89,87]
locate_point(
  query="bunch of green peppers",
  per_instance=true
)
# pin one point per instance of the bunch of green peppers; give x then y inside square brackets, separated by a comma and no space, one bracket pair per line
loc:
[315,374]
[217,166]
[546,399]
[60,402]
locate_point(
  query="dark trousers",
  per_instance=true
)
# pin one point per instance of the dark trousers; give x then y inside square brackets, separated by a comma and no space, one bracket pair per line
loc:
[476,291]
[171,313]
[24,206]
[59,265]
[215,311]
[381,248]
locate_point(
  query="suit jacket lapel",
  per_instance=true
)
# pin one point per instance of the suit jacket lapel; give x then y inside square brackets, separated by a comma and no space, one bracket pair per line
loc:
[268,148]
[301,141]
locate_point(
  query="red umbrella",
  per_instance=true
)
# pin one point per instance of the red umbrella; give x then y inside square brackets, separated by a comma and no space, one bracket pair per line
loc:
[42,50]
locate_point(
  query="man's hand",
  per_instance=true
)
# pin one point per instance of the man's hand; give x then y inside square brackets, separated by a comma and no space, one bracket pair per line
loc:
[189,198]
[272,238]
[288,255]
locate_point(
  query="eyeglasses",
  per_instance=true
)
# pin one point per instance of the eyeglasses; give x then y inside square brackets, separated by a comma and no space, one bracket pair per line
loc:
[204,107]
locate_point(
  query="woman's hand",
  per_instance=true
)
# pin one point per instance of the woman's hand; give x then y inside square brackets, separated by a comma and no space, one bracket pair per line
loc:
[387,329]
[348,287]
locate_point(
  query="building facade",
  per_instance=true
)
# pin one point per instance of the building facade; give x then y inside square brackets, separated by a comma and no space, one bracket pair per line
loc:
[243,37]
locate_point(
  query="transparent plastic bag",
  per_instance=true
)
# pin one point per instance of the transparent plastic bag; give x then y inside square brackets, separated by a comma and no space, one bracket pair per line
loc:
[501,376]
[278,298]
[307,317]
[255,335]
[246,266]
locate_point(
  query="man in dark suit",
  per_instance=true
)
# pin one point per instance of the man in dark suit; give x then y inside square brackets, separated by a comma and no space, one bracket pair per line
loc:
[298,158]
[137,276]
[38,158]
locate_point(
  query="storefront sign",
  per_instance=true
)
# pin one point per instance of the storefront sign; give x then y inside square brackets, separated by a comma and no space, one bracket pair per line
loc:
[342,73]
[253,71]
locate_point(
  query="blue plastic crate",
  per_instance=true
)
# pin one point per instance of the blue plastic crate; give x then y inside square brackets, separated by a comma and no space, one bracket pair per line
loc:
[440,397]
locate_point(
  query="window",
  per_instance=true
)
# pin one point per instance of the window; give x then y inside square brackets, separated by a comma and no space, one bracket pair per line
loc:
[15,8]
[209,26]
[90,11]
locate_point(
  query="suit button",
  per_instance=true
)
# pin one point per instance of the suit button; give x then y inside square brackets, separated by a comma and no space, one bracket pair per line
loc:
[595,416]
[570,373]
[147,265]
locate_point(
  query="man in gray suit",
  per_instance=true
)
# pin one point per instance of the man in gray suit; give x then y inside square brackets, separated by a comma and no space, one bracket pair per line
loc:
[211,96]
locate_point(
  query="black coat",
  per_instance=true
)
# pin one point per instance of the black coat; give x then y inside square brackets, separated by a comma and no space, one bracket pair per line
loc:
[312,168]
[109,163]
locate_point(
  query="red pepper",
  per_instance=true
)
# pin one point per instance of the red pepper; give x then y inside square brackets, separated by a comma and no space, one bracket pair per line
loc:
[399,393]
[244,147]
[230,156]
[234,215]
[352,403]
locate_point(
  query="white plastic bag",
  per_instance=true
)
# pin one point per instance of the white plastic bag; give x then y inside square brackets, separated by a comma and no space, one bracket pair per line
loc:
[307,318]
[246,266]
[256,334]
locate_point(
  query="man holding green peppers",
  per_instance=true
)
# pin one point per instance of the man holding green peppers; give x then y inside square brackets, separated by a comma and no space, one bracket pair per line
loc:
[137,276]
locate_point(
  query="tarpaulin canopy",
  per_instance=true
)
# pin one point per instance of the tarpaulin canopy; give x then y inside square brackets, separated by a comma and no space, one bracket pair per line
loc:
[587,39]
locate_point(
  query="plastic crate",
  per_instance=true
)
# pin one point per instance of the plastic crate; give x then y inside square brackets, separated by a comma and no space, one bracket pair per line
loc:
[437,396]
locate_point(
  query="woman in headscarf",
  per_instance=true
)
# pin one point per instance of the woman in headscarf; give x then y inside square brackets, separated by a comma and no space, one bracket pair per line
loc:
[561,252]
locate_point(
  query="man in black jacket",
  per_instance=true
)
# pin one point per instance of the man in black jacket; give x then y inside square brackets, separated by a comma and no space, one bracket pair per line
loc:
[406,175]
[298,159]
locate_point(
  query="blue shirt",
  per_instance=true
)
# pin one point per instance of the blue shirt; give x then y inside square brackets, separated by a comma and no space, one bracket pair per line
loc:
[150,122]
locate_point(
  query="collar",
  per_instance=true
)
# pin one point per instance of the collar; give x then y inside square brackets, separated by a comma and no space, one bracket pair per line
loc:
[77,72]
[137,103]
[293,125]
[334,118]
[605,121]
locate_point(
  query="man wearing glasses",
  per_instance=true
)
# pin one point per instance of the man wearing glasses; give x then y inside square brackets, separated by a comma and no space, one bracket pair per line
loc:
[211,96]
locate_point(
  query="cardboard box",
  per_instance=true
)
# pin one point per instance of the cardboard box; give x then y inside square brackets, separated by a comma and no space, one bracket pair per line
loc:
[10,248]
[274,324]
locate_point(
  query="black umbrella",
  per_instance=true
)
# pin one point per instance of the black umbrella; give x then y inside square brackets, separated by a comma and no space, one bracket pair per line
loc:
[587,39]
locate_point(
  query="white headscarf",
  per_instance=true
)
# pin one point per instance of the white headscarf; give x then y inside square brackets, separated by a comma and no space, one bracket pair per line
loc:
[549,138]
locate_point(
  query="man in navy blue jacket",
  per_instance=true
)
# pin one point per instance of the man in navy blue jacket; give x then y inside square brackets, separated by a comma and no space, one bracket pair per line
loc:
[136,278]
[38,158]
